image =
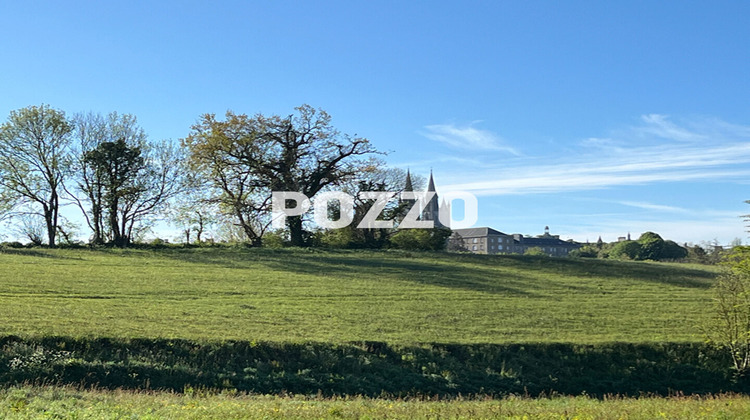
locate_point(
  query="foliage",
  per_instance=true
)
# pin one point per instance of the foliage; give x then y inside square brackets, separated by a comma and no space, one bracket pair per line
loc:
[34,162]
[535,251]
[586,251]
[673,251]
[366,368]
[246,158]
[651,246]
[373,175]
[630,250]
[421,239]
[730,327]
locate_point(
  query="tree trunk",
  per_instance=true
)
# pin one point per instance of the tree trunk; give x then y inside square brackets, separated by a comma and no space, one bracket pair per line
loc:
[296,233]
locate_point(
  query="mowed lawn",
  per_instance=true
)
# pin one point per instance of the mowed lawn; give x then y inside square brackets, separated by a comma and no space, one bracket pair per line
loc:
[296,295]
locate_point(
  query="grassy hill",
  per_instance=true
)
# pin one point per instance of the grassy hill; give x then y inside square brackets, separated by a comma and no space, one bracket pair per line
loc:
[290,295]
[355,323]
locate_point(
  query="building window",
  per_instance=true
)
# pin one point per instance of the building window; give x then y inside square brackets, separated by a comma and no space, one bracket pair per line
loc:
[500,247]
[474,248]
[476,240]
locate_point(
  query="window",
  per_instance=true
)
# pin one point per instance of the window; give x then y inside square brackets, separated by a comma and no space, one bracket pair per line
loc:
[500,247]
[476,240]
[474,248]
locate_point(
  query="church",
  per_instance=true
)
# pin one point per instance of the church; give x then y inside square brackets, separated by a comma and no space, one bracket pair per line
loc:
[434,208]
[486,240]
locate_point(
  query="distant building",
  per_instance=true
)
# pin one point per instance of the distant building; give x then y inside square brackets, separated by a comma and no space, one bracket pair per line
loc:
[434,208]
[486,240]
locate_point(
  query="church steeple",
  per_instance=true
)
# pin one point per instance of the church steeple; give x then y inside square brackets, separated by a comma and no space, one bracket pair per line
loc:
[408,186]
[431,185]
[432,211]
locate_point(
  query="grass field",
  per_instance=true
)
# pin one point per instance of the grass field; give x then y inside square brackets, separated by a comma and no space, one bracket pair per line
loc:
[386,325]
[28,402]
[342,296]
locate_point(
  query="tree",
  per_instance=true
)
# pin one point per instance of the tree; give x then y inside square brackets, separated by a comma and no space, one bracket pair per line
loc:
[193,211]
[116,166]
[421,239]
[124,181]
[247,158]
[35,160]
[730,327]
[651,246]
[626,250]
[673,251]
[373,175]
[91,131]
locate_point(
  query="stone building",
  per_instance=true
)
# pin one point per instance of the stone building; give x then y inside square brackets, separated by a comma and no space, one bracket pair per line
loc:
[485,240]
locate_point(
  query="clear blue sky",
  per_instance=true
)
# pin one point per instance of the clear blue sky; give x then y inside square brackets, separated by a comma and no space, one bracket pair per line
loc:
[595,118]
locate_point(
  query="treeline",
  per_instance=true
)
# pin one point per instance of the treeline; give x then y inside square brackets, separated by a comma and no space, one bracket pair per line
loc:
[219,177]
[650,246]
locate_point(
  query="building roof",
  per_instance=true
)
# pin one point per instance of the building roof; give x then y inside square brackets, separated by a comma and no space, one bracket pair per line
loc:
[480,231]
[545,241]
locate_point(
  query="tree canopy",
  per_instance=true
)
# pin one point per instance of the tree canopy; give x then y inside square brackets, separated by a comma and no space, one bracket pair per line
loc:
[247,158]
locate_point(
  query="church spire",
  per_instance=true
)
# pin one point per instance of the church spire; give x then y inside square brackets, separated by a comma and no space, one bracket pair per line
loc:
[408,186]
[431,185]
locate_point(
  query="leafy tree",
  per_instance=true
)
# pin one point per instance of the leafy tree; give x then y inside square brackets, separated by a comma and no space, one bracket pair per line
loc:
[91,131]
[626,250]
[34,162]
[730,326]
[673,251]
[246,158]
[373,175]
[651,246]
[124,181]
[116,165]
[421,239]
[586,251]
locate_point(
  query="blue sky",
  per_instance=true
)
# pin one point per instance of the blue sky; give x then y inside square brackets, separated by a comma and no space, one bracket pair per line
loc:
[594,118]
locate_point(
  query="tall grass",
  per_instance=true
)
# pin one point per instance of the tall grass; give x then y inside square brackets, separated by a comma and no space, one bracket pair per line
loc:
[45,402]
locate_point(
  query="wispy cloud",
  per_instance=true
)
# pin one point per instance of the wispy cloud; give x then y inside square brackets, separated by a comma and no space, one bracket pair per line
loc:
[466,137]
[654,207]
[660,125]
[716,151]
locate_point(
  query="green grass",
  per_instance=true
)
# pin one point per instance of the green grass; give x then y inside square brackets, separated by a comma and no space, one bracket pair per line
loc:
[292,295]
[33,403]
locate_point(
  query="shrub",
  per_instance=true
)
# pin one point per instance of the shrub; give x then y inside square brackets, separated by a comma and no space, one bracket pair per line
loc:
[630,250]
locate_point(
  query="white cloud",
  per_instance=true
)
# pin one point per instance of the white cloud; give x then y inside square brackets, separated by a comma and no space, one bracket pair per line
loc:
[655,207]
[659,125]
[612,163]
[466,137]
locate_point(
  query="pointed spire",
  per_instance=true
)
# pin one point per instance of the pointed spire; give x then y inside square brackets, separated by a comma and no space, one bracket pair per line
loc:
[408,186]
[431,185]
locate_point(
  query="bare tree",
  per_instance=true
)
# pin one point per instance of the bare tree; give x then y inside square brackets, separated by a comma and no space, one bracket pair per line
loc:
[35,160]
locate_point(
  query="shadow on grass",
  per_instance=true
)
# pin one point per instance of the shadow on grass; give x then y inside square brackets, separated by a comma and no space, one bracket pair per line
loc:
[505,274]
[421,268]
[369,368]
[35,253]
